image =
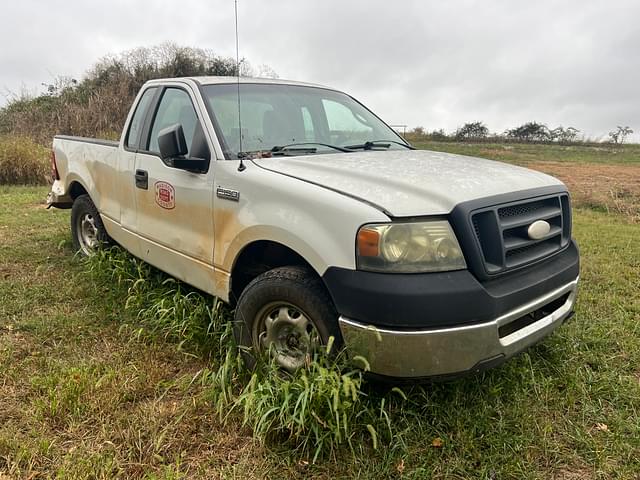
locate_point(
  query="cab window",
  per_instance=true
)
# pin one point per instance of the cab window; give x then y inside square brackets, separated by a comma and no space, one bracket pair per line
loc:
[176,107]
[135,127]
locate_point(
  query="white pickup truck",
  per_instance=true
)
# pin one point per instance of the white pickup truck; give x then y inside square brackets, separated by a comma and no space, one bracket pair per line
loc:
[300,207]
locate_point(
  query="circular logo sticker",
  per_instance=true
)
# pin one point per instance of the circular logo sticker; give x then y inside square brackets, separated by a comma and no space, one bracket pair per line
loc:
[165,195]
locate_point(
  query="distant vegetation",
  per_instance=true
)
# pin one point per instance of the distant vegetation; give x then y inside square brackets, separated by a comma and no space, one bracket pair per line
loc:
[94,106]
[97,105]
[530,132]
[23,161]
[620,134]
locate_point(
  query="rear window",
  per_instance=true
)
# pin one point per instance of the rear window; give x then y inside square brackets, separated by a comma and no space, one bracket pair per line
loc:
[137,122]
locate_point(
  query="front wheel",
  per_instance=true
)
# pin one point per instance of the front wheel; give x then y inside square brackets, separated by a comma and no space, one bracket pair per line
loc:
[287,314]
[87,230]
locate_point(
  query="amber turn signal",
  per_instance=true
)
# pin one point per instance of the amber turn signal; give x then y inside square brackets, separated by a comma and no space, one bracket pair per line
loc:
[368,243]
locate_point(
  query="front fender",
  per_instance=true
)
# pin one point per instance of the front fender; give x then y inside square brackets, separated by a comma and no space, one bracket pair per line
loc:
[318,224]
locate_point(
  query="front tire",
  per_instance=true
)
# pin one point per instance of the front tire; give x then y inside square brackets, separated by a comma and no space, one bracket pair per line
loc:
[87,230]
[287,313]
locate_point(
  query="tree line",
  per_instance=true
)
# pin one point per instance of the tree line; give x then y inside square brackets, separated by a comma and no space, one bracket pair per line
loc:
[528,132]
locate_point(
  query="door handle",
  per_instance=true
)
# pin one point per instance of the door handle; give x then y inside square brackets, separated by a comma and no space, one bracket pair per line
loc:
[142,179]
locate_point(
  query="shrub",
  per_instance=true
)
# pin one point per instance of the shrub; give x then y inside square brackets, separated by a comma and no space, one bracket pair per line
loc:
[472,131]
[23,162]
[420,134]
[563,135]
[529,132]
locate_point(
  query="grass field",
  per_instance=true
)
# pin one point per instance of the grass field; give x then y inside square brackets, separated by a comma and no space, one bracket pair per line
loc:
[603,176]
[524,153]
[83,396]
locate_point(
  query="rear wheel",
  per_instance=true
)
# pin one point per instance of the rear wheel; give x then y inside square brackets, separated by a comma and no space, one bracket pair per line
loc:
[287,314]
[87,230]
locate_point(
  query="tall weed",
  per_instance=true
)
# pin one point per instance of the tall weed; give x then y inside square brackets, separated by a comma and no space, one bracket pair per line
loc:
[23,162]
[162,306]
[316,411]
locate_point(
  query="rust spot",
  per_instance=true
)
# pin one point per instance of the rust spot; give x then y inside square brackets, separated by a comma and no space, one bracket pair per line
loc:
[186,228]
[221,284]
[226,229]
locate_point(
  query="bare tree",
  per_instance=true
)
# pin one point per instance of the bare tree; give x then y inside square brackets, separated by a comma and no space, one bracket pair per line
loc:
[562,134]
[620,134]
[529,132]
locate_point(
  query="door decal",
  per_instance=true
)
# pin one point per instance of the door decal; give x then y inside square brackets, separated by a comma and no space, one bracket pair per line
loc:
[165,195]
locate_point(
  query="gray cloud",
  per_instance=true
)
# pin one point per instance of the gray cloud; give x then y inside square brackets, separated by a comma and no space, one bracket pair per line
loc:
[436,64]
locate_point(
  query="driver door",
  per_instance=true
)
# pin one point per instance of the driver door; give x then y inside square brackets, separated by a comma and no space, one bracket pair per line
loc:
[174,218]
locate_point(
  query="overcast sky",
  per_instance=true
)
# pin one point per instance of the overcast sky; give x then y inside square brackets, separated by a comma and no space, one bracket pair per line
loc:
[431,63]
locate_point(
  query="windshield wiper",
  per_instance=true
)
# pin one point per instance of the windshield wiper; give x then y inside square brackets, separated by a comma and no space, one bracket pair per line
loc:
[287,151]
[378,144]
[291,147]
[300,149]
[276,152]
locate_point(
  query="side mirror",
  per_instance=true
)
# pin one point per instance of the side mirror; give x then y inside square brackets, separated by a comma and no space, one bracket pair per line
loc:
[172,143]
[173,148]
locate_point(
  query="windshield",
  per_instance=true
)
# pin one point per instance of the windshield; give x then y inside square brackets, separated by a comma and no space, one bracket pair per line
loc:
[275,116]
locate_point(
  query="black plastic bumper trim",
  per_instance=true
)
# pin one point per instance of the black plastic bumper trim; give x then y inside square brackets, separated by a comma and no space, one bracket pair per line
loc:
[431,300]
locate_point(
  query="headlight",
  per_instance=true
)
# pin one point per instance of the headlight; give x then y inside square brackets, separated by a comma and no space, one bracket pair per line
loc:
[429,246]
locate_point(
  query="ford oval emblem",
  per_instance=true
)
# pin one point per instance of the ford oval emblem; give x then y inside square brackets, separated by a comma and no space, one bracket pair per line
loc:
[538,229]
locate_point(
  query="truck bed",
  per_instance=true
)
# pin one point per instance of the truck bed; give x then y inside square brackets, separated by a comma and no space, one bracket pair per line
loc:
[96,141]
[90,163]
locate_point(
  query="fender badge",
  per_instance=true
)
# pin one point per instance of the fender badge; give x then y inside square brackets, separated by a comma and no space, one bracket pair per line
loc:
[165,195]
[538,229]
[228,194]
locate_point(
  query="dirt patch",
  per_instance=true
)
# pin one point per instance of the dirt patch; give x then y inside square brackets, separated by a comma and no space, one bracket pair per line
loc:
[573,474]
[614,188]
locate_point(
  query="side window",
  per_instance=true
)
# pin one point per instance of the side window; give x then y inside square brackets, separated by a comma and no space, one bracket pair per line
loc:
[135,127]
[176,107]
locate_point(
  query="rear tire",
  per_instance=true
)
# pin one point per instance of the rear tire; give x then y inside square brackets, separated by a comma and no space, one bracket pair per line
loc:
[287,313]
[87,230]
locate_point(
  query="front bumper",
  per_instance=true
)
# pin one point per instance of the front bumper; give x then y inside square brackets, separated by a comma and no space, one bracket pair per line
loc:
[464,349]
[445,323]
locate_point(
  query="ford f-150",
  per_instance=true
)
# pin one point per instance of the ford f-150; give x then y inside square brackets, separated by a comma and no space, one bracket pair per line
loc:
[313,218]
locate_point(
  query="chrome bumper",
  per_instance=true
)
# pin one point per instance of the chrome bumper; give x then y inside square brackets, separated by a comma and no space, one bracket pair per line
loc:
[426,353]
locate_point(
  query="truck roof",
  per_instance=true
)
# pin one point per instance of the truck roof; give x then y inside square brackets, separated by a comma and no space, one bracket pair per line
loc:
[211,80]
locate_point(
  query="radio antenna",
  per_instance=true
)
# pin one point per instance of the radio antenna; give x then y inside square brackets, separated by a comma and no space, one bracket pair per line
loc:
[241,166]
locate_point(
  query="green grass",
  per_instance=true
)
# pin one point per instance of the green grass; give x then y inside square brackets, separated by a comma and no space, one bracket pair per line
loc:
[313,412]
[523,153]
[92,389]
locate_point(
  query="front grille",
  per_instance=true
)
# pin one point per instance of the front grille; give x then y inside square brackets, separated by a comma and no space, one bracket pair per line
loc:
[501,231]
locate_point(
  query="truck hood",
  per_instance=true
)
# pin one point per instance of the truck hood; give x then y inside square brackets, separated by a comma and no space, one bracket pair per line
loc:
[412,182]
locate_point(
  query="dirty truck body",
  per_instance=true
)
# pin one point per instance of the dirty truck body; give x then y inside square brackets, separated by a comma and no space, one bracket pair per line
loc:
[315,219]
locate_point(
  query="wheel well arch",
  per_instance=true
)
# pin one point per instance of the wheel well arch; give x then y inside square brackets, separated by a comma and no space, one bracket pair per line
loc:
[258,257]
[76,189]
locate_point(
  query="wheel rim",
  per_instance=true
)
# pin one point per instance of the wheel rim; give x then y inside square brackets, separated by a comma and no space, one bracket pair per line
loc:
[286,333]
[87,234]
